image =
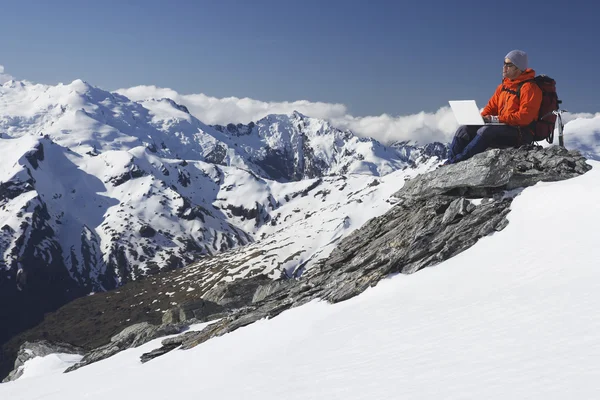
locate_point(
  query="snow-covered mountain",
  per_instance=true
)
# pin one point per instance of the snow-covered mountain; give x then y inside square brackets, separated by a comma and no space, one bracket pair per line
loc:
[97,190]
[89,120]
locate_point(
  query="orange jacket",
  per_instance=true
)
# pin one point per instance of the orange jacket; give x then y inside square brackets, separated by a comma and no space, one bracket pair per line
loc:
[512,110]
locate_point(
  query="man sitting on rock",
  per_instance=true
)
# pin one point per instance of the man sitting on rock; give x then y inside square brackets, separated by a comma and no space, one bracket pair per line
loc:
[516,113]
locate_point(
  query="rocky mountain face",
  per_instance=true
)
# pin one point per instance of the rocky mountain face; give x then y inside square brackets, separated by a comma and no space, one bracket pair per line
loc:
[413,154]
[434,216]
[97,191]
[295,147]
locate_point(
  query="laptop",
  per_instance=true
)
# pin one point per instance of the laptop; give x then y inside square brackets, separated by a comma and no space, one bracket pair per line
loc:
[467,113]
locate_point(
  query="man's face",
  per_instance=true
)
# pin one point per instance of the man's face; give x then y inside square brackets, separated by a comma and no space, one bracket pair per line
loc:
[509,70]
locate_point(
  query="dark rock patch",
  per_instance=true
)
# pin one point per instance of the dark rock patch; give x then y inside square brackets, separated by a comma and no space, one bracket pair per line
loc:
[134,172]
[36,155]
[147,231]
[11,189]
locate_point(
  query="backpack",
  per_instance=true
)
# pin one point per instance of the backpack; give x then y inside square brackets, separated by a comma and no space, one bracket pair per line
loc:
[543,127]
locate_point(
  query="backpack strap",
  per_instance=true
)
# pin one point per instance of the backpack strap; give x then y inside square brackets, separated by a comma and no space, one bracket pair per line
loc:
[531,126]
[518,94]
[518,91]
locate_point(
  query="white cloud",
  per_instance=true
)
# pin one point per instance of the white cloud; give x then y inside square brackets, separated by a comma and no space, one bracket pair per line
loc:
[582,131]
[4,77]
[422,127]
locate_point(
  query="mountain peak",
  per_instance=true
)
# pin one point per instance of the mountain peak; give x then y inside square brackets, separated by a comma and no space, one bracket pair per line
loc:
[80,86]
[297,114]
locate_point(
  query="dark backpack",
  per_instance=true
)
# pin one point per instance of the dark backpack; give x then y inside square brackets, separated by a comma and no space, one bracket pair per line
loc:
[543,127]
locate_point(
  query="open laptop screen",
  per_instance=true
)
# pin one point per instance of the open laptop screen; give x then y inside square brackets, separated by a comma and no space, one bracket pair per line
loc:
[466,112]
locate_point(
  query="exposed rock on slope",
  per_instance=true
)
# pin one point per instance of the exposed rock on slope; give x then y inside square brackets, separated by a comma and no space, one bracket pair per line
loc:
[437,216]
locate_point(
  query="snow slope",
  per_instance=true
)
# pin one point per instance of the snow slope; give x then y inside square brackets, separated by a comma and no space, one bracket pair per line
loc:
[515,316]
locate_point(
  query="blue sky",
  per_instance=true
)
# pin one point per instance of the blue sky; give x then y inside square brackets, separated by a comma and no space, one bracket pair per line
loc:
[373,56]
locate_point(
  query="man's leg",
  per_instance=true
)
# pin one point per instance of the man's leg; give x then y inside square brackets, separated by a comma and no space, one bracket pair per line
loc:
[463,136]
[500,135]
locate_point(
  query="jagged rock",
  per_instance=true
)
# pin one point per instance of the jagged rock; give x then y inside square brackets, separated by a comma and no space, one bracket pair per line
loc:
[180,107]
[11,189]
[132,336]
[411,154]
[134,172]
[157,352]
[457,209]
[435,149]
[241,318]
[237,293]
[259,214]
[36,155]
[42,348]
[237,130]
[217,155]
[186,337]
[496,170]
[183,177]
[272,287]
[189,212]
[199,310]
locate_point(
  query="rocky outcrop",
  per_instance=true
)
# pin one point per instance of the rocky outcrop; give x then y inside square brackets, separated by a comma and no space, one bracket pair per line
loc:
[236,130]
[13,188]
[42,348]
[134,172]
[147,231]
[412,154]
[236,294]
[35,156]
[132,336]
[435,218]
[497,170]
[198,310]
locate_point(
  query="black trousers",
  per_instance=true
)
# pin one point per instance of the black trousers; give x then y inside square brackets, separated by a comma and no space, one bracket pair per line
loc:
[473,139]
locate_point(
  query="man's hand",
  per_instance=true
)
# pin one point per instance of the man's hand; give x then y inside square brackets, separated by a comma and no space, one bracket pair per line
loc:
[490,118]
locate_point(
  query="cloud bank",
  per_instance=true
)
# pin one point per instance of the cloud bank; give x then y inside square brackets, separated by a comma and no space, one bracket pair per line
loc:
[420,128]
[3,76]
